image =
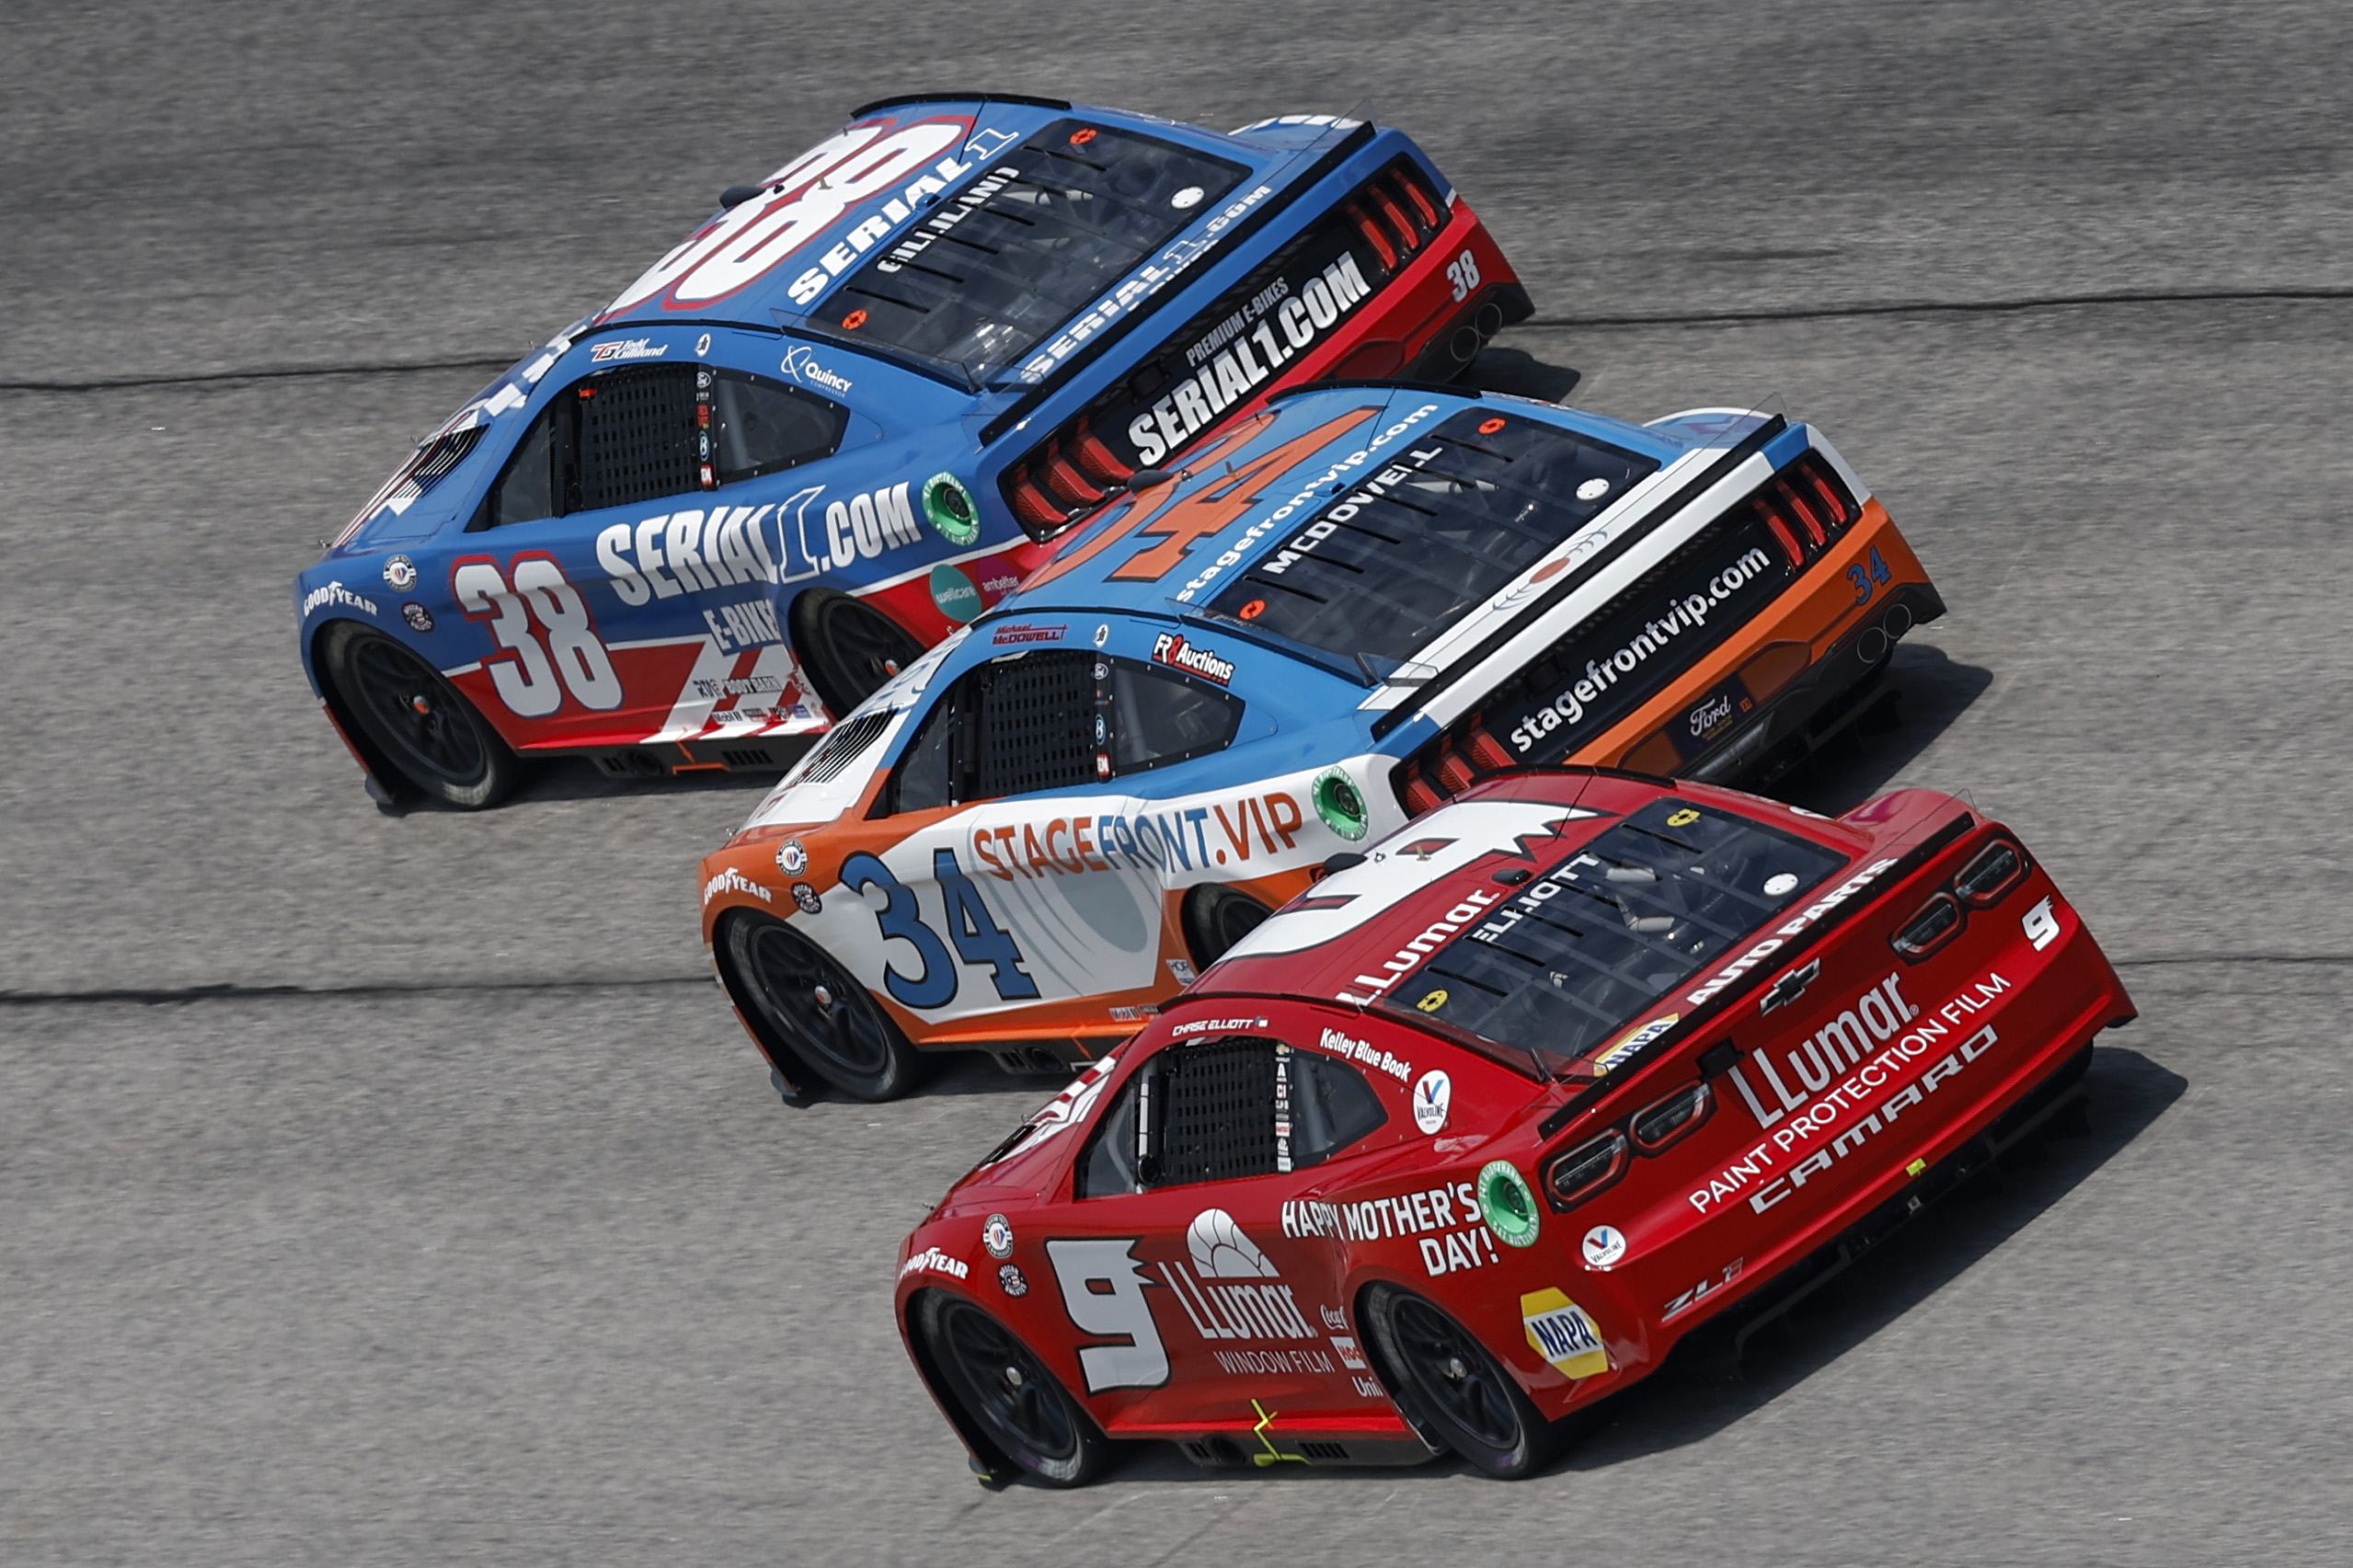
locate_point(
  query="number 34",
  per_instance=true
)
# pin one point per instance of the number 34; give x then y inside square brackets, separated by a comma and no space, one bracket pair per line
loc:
[1863,581]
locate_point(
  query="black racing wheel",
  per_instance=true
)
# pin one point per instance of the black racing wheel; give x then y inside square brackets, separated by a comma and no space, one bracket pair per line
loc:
[420,722]
[847,648]
[1008,1394]
[812,1008]
[1459,1391]
[1216,916]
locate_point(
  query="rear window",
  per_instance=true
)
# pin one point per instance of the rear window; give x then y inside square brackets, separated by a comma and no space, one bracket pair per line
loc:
[1561,967]
[1387,565]
[1027,244]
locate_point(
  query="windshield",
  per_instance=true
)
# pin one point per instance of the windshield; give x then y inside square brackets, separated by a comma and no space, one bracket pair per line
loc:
[1560,967]
[1035,237]
[1388,565]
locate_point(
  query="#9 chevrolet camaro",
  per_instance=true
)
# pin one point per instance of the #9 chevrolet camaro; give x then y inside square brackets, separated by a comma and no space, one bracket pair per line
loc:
[1335,614]
[844,415]
[1474,1132]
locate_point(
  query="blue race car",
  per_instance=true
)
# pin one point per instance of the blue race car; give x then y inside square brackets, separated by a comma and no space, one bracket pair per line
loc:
[1332,616]
[846,415]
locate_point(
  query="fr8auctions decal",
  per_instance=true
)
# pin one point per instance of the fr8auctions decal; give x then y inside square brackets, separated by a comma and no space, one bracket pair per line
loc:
[978,937]
[544,624]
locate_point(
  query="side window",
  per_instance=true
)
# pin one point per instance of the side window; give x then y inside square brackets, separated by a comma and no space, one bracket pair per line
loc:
[1054,718]
[641,432]
[1220,1109]
[762,427]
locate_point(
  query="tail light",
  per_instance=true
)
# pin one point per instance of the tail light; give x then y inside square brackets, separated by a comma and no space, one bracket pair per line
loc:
[1586,1170]
[1805,505]
[1369,227]
[1672,1119]
[1065,482]
[1462,760]
[1072,471]
[1455,774]
[1998,868]
[1034,510]
[1487,752]
[1096,460]
[1397,214]
[1938,923]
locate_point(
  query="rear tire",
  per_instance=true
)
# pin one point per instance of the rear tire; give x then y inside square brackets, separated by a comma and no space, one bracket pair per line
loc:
[847,648]
[1455,1387]
[1008,1394]
[422,726]
[813,1008]
[1216,916]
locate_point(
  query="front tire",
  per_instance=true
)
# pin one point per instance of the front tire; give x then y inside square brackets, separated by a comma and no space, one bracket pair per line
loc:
[847,648]
[422,726]
[1009,1395]
[1458,1390]
[813,1008]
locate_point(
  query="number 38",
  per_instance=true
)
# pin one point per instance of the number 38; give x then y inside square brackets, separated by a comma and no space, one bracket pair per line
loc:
[1463,273]
[526,676]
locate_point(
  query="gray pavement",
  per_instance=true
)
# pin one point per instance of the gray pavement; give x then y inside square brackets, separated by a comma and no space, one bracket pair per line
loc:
[506,1252]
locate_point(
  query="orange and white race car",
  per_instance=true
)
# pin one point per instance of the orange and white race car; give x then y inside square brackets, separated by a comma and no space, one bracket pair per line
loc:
[1339,612]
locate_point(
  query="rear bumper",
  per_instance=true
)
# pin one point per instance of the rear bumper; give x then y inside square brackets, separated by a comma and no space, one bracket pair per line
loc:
[1826,698]
[1791,678]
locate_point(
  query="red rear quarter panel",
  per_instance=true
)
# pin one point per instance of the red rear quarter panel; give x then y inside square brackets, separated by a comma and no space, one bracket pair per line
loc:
[1847,1089]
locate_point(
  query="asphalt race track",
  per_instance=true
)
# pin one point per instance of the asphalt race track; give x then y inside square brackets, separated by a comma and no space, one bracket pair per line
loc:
[387,1189]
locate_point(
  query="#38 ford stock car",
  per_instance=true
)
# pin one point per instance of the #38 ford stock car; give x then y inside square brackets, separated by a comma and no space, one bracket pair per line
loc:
[844,415]
[1472,1133]
[1340,612]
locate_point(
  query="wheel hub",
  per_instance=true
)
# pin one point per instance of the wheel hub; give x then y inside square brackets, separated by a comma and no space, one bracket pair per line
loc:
[824,997]
[1455,1370]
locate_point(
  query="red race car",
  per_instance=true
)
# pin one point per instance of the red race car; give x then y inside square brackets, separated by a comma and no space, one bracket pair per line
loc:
[1472,1132]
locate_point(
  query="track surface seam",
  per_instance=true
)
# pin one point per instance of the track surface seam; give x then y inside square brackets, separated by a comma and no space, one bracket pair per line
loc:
[171,995]
[1682,318]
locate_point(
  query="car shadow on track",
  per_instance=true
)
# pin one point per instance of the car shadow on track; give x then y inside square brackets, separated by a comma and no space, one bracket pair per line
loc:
[1519,373]
[1704,1386]
[1932,692]
[577,778]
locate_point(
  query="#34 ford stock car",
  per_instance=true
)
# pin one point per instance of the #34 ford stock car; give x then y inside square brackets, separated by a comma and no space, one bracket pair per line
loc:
[1472,1133]
[1337,613]
[844,415]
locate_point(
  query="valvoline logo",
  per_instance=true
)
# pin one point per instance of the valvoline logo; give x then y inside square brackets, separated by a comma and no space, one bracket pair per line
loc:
[1171,648]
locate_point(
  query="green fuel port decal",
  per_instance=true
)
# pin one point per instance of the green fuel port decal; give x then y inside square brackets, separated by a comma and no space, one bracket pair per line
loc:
[1508,1204]
[1340,805]
[949,505]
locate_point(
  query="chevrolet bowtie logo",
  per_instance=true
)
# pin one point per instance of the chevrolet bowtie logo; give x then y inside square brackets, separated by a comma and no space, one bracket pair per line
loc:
[1790,986]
